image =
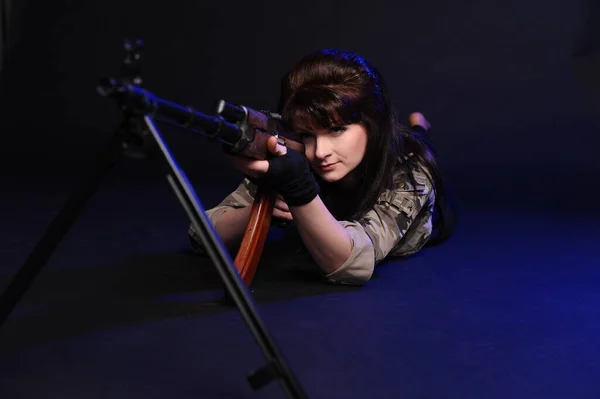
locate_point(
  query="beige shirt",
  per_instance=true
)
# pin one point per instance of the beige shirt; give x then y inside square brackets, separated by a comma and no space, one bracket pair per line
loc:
[399,224]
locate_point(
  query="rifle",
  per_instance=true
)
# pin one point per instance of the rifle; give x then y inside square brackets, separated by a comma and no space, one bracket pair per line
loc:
[256,128]
[242,131]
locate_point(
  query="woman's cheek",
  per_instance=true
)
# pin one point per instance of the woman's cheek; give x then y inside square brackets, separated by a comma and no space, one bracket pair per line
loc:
[309,151]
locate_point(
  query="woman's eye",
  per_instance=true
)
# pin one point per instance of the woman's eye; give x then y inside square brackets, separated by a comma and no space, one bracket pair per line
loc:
[338,129]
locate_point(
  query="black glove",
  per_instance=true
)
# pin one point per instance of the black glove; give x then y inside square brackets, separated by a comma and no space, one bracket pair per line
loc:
[290,176]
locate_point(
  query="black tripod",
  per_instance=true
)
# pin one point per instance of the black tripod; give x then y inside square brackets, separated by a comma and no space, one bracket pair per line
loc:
[141,109]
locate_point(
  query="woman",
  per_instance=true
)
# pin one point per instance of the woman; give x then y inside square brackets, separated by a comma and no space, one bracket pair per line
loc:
[366,187]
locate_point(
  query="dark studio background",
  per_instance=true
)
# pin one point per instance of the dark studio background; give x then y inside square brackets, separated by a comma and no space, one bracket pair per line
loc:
[507,308]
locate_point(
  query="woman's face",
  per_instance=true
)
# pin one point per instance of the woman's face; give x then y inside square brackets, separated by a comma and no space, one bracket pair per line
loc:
[335,152]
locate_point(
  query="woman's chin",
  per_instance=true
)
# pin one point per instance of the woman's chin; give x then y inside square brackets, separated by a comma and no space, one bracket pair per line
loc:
[329,177]
[337,174]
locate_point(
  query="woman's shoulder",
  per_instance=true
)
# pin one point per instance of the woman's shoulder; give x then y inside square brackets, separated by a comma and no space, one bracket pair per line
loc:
[412,177]
[409,195]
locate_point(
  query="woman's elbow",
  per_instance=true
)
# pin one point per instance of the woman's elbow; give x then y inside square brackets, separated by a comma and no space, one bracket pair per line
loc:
[355,273]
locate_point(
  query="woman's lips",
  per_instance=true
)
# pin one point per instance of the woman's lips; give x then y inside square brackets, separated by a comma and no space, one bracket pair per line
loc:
[328,167]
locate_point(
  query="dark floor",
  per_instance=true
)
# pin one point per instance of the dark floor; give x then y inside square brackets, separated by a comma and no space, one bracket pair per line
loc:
[510,308]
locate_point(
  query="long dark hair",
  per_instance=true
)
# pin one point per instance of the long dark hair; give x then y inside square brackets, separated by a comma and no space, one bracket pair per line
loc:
[332,87]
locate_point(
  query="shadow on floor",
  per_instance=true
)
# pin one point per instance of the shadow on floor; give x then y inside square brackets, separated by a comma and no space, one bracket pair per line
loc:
[144,288]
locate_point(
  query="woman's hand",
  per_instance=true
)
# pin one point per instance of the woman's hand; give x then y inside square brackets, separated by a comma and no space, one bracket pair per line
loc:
[255,167]
[287,173]
[281,209]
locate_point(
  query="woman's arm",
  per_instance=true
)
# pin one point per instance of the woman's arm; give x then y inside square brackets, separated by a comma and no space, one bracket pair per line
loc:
[232,224]
[399,223]
[324,237]
[345,251]
[229,217]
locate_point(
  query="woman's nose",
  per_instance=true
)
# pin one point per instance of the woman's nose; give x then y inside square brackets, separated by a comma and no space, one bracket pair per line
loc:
[322,148]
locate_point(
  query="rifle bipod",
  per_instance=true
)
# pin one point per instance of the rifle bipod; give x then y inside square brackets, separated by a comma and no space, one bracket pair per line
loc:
[236,290]
[138,127]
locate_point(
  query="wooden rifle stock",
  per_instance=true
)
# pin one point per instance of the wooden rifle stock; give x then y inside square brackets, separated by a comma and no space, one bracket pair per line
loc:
[255,236]
[258,127]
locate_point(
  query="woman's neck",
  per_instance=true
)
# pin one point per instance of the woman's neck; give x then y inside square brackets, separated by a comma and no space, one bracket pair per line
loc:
[348,182]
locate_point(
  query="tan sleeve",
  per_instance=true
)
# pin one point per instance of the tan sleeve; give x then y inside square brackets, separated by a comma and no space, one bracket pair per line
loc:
[382,229]
[243,196]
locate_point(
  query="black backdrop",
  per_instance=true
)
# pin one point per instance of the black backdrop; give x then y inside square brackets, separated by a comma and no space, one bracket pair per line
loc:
[515,112]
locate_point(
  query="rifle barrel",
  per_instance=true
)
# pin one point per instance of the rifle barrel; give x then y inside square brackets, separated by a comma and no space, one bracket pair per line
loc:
[143,101]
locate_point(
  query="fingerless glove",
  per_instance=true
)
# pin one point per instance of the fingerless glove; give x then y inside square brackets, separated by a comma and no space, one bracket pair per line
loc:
[290,176]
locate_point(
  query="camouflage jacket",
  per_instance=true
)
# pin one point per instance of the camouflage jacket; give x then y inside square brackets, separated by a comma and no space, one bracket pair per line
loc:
[399,224]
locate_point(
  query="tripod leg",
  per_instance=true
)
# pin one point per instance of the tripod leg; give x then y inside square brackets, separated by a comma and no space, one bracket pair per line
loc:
[237,291]
[59,227]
